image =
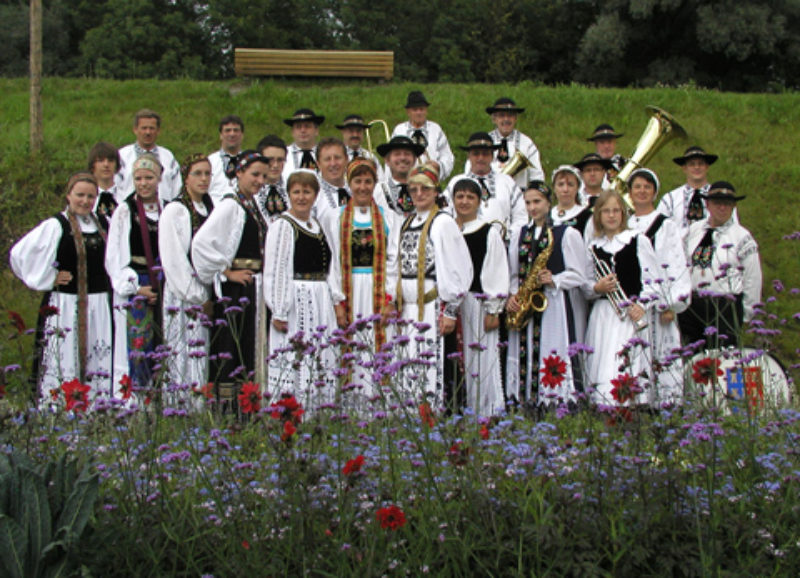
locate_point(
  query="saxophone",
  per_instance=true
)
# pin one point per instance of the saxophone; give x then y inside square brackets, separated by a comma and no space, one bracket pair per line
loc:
[530,295]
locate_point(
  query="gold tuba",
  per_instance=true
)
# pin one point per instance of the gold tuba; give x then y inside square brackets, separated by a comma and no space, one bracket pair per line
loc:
[370,124]
[516,164]
[660,129]
[530,296]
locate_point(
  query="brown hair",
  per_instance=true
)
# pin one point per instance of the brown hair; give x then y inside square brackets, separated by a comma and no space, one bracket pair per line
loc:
[146,113]
[602,200]
[102,151]
[331,141]
[80,177]
[303,177]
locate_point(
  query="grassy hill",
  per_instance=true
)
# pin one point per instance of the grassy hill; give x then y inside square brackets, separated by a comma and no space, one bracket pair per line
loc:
[754,135]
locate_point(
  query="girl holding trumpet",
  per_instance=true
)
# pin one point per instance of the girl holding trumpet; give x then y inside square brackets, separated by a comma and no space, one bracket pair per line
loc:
[621,269]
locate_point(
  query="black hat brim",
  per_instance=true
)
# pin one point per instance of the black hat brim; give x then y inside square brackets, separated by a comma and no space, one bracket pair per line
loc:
[317,120]
[605,136]
[387,147]
[494,109]
[710,159]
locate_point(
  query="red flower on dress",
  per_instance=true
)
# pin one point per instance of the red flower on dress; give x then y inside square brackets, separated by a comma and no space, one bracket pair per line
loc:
[391,517]
[625,388]
[353,466]
[17,321]
[287,408]
[250,398]
[126,386]
[288,431]
[554,371]
[706,370]
[426,414]
[138,342]
[75,395]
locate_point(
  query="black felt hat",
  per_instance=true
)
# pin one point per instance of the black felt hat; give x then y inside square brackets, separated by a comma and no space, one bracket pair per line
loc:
[695,152]
[415,99]
[594,158]
[504,104]
[304,114]
[605,131]
[480,140]
[400,142]
[722,191]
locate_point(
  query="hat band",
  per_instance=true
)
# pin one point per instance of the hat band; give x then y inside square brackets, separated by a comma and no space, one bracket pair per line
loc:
[604,132]
[480,143]
[721,192]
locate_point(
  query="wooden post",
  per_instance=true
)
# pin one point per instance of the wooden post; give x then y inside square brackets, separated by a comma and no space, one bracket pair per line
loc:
[37,138]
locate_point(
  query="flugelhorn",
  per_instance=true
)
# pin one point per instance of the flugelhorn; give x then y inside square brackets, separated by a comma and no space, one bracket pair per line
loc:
[618,298]
[660,129]
[385,126]
[516,164]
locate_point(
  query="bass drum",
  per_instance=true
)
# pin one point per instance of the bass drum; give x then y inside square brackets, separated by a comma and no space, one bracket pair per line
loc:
[739,380]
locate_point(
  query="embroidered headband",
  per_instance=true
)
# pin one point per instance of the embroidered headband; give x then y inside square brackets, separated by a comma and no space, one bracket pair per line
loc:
[149,163]
[358,162]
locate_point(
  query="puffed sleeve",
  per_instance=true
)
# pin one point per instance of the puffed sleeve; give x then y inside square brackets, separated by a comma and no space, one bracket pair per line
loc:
[494,275]
[446,159]
[528,148]
[279,269]
[513,261]
[673,279]
[33,258]
[574,251]
[751,275]
[453,263]
[174,241]
[648,263]
[216,242]
[124,279]
[330,227]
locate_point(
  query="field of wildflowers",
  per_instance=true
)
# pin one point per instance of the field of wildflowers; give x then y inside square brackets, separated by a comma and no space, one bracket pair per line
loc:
[395,485]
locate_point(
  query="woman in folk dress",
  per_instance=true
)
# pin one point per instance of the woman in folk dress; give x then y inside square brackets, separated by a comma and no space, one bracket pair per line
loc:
[187,306]
[673,285]
[483,303]
[64,256]
[228,252]
[429,271]
[363,233]
[540,369]
[302,288]
[618,370]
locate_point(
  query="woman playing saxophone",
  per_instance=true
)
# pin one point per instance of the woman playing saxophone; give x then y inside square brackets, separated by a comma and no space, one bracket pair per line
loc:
[556,317]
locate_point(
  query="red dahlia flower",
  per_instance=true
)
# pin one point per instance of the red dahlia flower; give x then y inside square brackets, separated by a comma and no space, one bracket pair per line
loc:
[706,370]
[353,466]
[625,388]
[250,398]
[553,372]
[75,395]
[391,517]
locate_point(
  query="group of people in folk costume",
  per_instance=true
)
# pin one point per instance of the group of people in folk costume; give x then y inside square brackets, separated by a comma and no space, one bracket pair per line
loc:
[238,266]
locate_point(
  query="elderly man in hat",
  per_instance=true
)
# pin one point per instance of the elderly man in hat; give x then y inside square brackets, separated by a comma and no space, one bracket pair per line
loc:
[147,127]
[726,272]
[400,155]
[353,129]
[605,138]
[685,205]
[231,135]
[305,132]
[504,113]
[426,133]
[501,198]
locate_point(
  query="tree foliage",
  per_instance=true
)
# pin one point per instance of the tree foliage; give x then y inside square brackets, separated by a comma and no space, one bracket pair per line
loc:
[728,44]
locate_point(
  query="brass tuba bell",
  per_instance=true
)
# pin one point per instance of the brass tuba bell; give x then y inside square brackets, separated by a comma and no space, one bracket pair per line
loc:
[372,123]
[660,129]
[516,164]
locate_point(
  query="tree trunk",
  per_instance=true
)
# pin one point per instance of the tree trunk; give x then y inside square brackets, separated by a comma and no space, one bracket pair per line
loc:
[37,138]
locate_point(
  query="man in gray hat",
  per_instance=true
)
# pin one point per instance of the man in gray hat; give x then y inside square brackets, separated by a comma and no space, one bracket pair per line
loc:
[426,133]
[501,198]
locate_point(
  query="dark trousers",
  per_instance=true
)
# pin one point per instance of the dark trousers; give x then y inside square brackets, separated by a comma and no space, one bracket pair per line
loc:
[708,317]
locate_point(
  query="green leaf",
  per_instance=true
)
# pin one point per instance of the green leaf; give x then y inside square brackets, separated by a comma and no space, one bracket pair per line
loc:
[78,507]
[36,511]
[13,544]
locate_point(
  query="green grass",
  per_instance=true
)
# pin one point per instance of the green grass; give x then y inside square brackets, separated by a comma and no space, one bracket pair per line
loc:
[754,135]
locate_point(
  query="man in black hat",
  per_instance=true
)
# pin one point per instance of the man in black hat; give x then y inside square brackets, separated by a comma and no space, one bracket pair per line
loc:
[685,205]
[726,272]
[501,198]
[305,132]
[231,135]
[426,133]
[593,169]
[605,138]
[400,155]
[504,113]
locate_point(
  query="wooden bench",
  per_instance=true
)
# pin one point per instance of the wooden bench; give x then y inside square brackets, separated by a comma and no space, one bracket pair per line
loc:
[349,63]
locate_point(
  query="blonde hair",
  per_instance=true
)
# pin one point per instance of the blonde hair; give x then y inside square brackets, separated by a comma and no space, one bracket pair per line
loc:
[602,200]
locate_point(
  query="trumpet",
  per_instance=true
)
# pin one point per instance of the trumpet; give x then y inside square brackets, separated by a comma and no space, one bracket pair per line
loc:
[370,124]
[618,299]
